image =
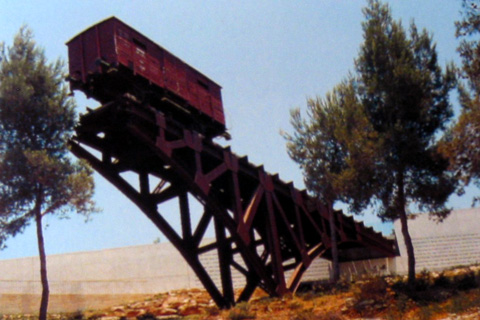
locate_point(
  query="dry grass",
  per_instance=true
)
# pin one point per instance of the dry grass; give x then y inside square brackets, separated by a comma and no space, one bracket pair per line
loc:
[436,296]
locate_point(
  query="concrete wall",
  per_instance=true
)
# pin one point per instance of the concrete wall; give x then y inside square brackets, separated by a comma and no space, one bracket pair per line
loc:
[354,269]
[131,270]
[146,269]
[155,268]
[453,242]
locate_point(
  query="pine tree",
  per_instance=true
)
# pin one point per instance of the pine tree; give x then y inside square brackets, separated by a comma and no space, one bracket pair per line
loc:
[37,118]
[405,95]
[462,146]
[331,144]
[374,140]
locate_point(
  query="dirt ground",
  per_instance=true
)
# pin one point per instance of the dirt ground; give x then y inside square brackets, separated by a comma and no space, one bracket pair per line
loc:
[29,303]
[449,295]
[196,304]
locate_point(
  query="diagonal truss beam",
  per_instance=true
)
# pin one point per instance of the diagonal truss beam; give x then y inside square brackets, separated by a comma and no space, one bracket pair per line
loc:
[263,226]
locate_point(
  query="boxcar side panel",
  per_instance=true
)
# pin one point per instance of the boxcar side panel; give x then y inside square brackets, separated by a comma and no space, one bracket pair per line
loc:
[204,94]
[75,59]
[155,65]
[216,101]
[120,45]
[91,50]
[198,94]
[192,88]
[140,59]
[124,48]
[175,75]
[218,114]
[107,42]
[139,54]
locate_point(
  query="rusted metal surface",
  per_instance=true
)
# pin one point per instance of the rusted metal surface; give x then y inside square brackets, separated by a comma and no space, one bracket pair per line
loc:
[111,58]
[265,228]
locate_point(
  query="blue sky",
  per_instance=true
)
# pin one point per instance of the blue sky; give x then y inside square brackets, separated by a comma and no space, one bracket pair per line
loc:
[268,55]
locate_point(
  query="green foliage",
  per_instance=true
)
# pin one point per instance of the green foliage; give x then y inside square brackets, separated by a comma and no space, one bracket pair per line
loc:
[331,142]
[37,118]
[433,288]
[375,139]
[405,94]
[466,281]
[328,145]
[468,30]
[462,146]
[308,291]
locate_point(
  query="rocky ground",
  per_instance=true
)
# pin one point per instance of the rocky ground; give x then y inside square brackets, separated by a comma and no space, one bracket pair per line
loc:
[453,294]
[196,305]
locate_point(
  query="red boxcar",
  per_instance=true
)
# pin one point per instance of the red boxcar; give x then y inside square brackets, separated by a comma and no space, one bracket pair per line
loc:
[111,58]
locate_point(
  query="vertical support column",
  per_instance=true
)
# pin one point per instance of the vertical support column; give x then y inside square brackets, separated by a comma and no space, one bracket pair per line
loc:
[144,184]
[273,236]
[252,283]
[232,164]
[237,206]
[185,216]
[225,257]
[274,247]
[189,254]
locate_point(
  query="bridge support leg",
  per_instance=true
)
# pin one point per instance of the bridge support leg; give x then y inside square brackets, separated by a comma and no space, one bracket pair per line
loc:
[257,217]
[225,257]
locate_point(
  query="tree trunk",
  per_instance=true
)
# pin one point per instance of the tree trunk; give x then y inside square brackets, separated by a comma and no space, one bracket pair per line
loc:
[410,250]
[406,235]
[43,266]
[333,238]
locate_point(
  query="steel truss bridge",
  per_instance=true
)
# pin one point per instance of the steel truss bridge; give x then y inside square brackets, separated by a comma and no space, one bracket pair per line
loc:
[264,227]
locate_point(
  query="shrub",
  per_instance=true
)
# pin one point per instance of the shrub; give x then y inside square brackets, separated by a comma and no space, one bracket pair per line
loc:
[147,316]
[423,281]
[76,316]
[371,289]
[442,281]
[304,315]
[342,285]
[212,310]
[370,294]
[307,296]
[457,304]
[331,316]
[402,302]
[240,312]
[466,281]
[295,305]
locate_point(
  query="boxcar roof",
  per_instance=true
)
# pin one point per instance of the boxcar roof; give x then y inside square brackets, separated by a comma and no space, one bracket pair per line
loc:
[113,18]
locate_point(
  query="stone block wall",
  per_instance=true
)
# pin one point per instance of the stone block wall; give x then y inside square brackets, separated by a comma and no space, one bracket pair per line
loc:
[131,270]
[441,245]
[150,269]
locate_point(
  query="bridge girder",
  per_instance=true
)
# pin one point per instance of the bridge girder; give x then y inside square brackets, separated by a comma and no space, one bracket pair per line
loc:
[265,228]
